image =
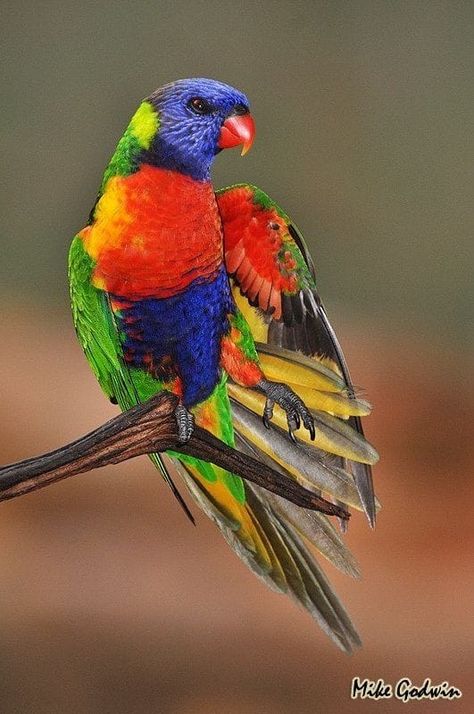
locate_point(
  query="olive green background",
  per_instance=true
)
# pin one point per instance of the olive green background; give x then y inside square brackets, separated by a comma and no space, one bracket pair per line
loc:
[110,602]
[364,115]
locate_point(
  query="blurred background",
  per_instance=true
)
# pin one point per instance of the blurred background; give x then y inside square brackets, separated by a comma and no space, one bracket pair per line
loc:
[109,600]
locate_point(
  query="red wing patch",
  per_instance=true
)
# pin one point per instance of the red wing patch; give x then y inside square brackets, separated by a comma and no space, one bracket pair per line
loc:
[254,247]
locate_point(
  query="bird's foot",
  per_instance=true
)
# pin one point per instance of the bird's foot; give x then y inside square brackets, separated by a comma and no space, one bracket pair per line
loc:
[296,410]
[185,422]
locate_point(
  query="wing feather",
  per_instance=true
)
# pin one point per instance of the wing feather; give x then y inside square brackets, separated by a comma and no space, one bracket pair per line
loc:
[276,273]
[97,332]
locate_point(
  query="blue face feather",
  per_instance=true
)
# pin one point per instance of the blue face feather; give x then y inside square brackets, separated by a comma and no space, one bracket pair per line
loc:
[191,113]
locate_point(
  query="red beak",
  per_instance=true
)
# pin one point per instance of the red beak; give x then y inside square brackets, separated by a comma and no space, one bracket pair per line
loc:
[237,129]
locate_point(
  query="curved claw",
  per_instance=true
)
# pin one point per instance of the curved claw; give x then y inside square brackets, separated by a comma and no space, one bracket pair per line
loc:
[292,436]
[268,413]
[294,422]
[296,410]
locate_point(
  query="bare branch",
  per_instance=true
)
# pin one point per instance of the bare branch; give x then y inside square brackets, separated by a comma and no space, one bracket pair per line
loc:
[147,428]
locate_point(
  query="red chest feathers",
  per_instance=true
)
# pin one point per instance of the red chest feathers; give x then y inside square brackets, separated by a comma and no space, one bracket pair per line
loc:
[155,232]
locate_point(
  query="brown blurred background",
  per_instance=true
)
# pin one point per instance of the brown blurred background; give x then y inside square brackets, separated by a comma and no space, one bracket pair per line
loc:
[109,600]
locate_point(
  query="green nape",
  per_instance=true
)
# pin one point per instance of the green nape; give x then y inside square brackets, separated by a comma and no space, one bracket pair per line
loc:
[137,136]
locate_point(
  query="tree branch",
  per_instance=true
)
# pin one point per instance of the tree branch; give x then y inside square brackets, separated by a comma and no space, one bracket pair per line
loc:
[147,428]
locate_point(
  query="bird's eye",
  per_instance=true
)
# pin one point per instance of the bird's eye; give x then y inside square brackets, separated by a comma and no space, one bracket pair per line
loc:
[240,109]
[200,106]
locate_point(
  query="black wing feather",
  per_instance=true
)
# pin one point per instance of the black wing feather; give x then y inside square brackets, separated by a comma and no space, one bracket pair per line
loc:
[305,326]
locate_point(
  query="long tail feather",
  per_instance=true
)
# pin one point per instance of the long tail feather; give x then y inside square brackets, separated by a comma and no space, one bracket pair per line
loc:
[268,533]
[322,601]
[157,459]
[313,526]
[289,567]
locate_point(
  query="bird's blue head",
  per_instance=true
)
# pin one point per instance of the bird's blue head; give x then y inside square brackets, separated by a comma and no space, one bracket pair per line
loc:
[197,118]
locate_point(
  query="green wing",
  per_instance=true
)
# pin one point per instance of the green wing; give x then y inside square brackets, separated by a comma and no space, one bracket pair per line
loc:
[100,340]
[93,321]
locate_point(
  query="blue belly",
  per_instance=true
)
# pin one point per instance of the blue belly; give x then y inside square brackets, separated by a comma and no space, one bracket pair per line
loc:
[180,336]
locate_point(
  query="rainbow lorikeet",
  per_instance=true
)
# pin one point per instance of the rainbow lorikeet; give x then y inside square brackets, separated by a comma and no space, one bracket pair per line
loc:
[212,295]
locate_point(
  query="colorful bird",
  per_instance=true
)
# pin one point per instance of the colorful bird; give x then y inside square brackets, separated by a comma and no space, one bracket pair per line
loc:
[212,295]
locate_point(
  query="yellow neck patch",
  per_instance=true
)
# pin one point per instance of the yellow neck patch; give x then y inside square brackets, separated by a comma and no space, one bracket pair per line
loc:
[144,124]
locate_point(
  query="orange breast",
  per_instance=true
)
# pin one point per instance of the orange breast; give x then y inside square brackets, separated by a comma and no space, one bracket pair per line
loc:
[154,232]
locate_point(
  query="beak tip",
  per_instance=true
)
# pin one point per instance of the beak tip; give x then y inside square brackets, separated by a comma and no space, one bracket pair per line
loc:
[239,129]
